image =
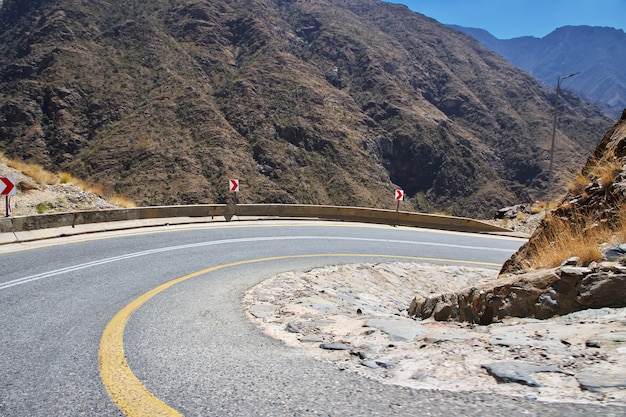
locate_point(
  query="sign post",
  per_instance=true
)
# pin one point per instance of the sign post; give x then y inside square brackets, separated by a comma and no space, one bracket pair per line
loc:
[7,189]
[9,205]
[399,195]
[233,186]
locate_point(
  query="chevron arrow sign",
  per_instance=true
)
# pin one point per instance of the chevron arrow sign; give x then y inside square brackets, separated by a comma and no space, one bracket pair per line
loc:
[7,186]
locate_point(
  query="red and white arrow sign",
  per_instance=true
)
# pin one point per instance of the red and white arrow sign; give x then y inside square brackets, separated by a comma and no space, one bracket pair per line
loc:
[7,186]
[233,185]
[399,195]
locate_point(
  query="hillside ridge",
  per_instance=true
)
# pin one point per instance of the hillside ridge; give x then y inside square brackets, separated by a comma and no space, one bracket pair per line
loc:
[314,102]
[598,53]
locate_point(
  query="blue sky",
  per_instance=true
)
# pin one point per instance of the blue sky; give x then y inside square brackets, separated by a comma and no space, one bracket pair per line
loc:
[507,19]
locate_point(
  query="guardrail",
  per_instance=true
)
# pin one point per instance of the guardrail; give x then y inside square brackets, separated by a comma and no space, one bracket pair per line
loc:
[13,225]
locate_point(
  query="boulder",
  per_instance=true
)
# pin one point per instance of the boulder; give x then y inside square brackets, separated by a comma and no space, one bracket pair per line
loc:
[615,252]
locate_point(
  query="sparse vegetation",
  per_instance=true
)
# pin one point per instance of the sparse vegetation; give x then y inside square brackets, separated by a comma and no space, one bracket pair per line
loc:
[43,207]
[44,177]
[578,184]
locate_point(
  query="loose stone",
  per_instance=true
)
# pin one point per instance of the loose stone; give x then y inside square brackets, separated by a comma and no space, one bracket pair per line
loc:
[335,346]
[292,328]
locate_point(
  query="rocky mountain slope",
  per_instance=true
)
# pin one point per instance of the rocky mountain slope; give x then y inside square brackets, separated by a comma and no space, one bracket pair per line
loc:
[328,102]
[599,53]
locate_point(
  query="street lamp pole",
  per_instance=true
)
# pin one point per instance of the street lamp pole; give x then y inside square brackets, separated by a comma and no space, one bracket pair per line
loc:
[556,109]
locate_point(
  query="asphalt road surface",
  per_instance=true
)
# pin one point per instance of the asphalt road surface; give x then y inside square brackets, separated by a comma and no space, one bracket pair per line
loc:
[149,322]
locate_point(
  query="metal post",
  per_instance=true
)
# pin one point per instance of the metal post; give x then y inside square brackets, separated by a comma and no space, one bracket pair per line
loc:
[554,121]
[398,214]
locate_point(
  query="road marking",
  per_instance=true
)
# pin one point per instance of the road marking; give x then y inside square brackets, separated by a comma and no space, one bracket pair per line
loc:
[110,234]
[125,389]
[49,274]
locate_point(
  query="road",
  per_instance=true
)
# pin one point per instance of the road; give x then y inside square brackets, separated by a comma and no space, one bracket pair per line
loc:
[82,335]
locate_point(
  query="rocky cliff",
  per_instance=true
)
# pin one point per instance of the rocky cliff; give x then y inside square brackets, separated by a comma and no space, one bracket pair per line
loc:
[326,102]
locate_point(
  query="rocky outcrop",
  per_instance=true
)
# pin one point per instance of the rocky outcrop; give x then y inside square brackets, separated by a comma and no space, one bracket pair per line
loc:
[349,315]
[540,294]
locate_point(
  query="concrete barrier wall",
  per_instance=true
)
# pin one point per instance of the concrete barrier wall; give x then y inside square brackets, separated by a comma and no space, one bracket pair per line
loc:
[353,214]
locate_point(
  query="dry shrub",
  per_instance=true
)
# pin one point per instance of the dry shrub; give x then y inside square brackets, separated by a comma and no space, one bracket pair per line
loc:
[538,207]
[40,175]
[603,169]
[96,189]
[65,178]
[578,184]
[563,238]
[606,168]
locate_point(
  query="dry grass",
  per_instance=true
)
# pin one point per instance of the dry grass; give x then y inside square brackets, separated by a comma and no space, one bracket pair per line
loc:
[540,206]
[65,178]
[606,168]
[35,171]
[120,200]
[578,184]
[603,169]
[582,237]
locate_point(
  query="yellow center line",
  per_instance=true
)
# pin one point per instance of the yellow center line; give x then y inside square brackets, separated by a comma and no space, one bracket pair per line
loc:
[125,389]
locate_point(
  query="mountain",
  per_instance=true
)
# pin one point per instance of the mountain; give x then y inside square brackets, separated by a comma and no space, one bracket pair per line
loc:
[320,102]
[598,53]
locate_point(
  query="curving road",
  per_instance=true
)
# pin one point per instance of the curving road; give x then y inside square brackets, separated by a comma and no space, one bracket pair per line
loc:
[150,322]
